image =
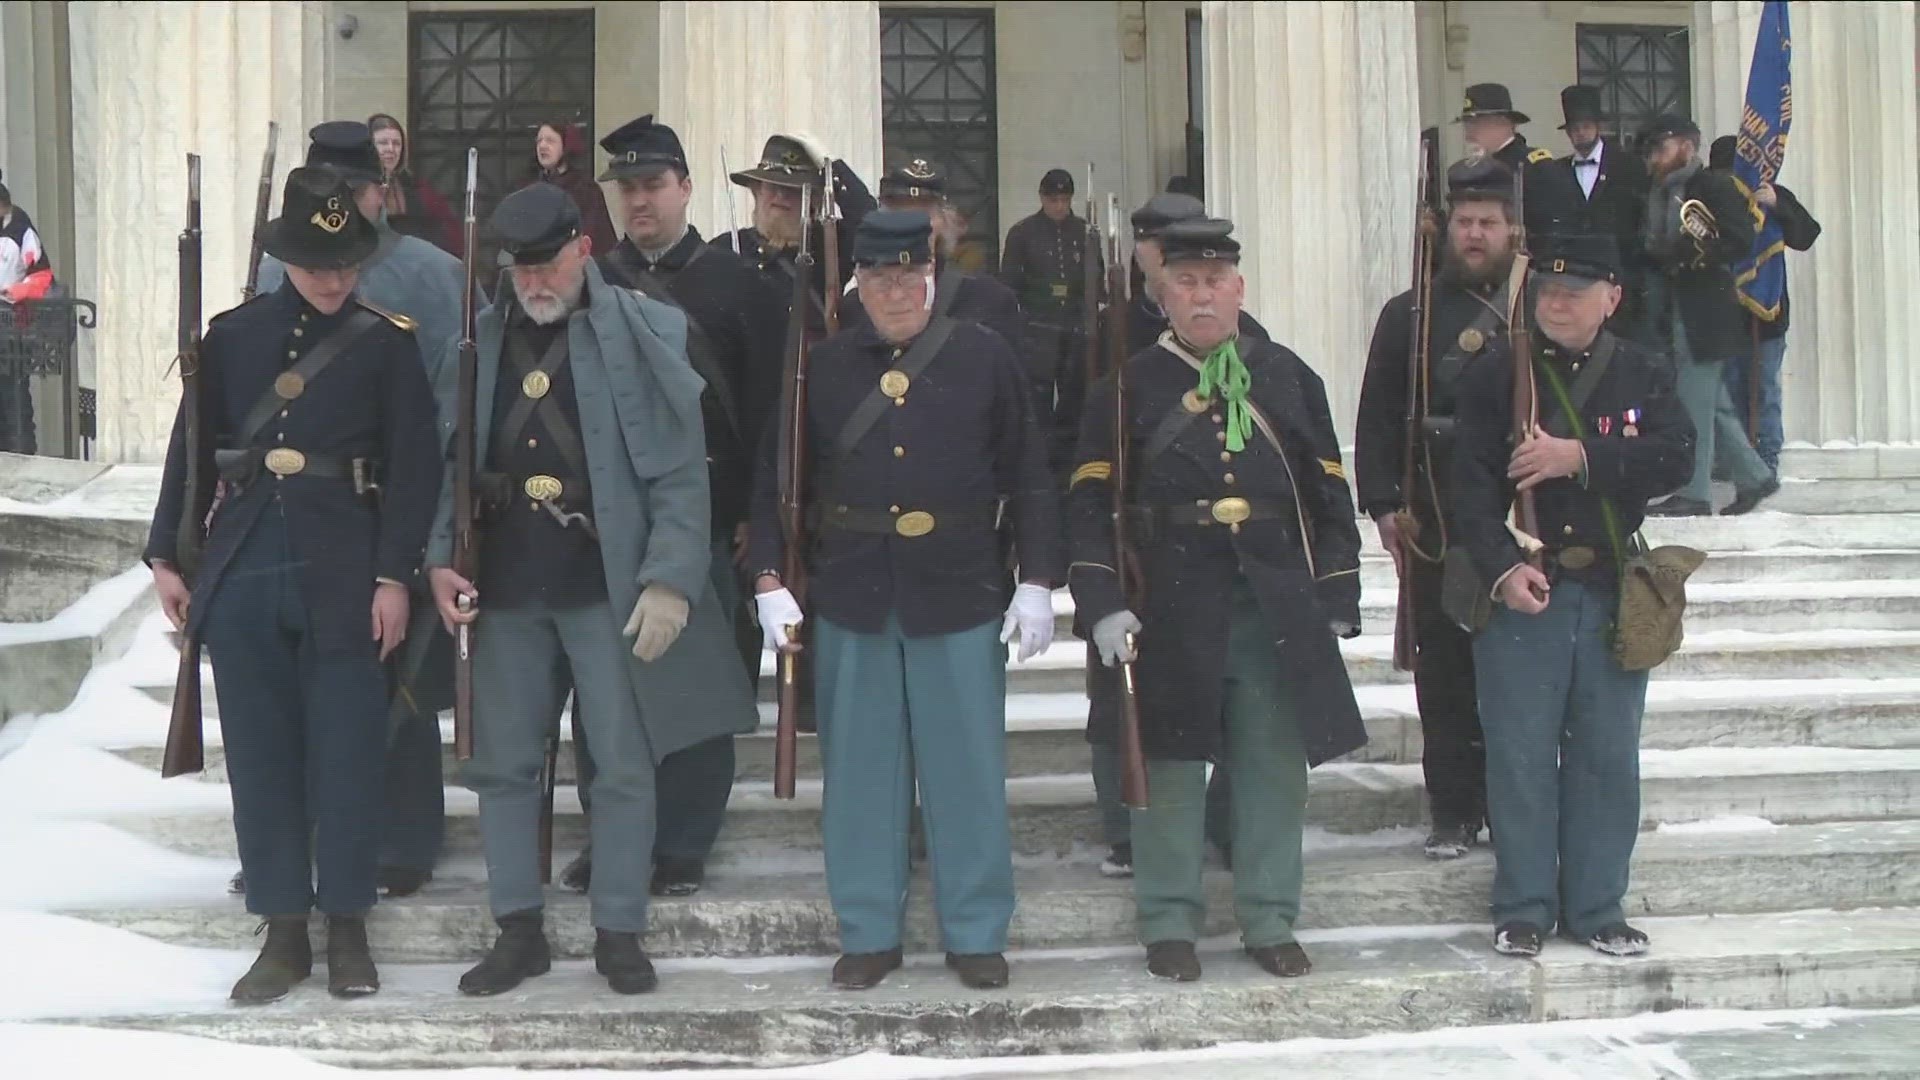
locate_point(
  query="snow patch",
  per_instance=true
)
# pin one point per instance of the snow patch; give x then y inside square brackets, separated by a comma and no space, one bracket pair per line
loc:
[86,617]
[1731,824]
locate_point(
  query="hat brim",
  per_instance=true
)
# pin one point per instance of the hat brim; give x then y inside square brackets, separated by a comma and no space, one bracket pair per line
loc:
[1514,115]
[533,256]
[300,251]
[1578,279]
[1184,255]
[622,169]
[793,178]
[1572,120]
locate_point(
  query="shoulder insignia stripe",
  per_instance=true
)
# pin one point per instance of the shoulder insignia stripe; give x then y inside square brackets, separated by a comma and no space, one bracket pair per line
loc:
[1333,468]
[1542,154]
[398,320]
[1092,470]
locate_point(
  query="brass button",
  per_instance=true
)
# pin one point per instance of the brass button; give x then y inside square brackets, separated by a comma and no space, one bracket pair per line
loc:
[1220,436]
[298,332]
[303,316]
[893,509]
[1566,530]
[282,436]
[533,442]
[292,355]
[899,401]
[1576,365]
[1216,418]
[899,451]
[1226,455]
[1228,478]
[283,414]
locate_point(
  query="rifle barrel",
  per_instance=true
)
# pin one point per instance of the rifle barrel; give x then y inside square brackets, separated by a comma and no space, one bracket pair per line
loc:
[466,461]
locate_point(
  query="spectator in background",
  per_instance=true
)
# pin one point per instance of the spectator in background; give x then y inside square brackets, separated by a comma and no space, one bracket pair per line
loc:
[1799,230]
[558,151]
[25,273]
[412,208]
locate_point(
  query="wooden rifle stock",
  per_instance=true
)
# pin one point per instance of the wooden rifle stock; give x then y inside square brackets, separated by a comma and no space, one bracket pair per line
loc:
[793,521]
[262,206]
[1133,761]
[546,803]
[1425,237]
[830,252]
[1525,404]
[186,749]
[466,554]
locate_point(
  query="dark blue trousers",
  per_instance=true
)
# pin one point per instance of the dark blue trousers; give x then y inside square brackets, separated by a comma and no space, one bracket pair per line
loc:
[305,736]
[416,799]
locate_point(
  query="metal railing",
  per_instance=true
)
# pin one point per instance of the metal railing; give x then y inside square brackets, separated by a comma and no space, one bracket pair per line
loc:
[39,339]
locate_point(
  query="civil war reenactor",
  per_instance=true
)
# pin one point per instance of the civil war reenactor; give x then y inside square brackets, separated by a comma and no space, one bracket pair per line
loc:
[1250,558]
[1146,320]
[410,277]
[1492,127]
[595,489]
[789,164]
[921,440]
[735,330]
[1562,717]
[1044,263]
[1601,187]
[1466,314]
[313,400]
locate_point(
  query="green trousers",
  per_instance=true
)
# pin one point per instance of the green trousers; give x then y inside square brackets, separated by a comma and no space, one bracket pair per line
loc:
[1269,801]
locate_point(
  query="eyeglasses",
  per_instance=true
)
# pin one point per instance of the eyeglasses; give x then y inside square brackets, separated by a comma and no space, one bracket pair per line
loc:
[888,284]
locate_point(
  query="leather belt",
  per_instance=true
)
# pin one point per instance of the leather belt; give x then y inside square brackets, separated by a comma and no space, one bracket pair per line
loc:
[245,466]
[1574,556]
[897,522]
[1232,511]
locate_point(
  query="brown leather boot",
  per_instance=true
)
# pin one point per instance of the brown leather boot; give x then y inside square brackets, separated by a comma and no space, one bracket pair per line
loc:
[1288,961]
[285,960]
[980,971]
[863,971]
[1174,960]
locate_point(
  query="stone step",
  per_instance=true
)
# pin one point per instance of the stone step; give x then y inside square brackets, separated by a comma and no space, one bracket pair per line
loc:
[1050,814]
[1046,732]
[42,664]
[775,902]
[726,1012]
[1776,565]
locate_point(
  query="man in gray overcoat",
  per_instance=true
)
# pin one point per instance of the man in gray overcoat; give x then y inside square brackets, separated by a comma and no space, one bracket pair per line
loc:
[594,483]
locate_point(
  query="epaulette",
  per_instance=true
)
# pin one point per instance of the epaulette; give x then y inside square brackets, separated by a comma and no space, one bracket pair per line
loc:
[399,321]
[241,306]
[1539,155]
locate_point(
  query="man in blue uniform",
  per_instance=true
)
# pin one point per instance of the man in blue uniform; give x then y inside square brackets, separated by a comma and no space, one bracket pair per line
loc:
[1562,717]
[735,328]
[1044,263]
[596,531]
[311,397]
[920,440]
[1250,558]
[408,275]
[788,164]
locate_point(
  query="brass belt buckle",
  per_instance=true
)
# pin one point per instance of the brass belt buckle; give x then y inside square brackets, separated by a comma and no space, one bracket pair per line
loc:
[913,523]
[543,488]
[285,461]
[1232,511]
[1576,558]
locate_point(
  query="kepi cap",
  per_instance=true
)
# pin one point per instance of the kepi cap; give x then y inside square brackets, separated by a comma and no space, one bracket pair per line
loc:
[1666,125]
[1163,210]
[1056,182]
[346,146]
[893,238]
[1577,259]
[1201,238]
[533,224]
[1480,176]
[917,179]
[641,148]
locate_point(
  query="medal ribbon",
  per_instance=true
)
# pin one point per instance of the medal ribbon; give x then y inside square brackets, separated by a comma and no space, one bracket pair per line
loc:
[1224,370]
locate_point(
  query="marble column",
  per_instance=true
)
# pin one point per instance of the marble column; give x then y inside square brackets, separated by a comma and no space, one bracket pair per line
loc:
[1313,127]
[151,83]
[1852,376]
[733,73]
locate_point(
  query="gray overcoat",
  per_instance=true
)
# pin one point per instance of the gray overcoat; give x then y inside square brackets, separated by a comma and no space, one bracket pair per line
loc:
[639,402]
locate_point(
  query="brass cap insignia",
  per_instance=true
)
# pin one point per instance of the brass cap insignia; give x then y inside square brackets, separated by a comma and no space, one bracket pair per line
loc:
[332,218]
[919,169]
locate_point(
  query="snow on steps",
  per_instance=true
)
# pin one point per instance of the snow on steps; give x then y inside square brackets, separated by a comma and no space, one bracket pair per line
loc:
[713,1012]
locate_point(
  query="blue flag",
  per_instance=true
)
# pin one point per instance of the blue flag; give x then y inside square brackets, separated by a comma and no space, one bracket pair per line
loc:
[1762,147]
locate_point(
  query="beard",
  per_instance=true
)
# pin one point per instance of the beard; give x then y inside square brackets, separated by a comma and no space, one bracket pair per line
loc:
[778,229]
[1455,271]
[546,308]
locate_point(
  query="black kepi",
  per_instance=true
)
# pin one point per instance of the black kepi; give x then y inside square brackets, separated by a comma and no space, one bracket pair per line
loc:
[917,179]
[640,148]
[1577,258]
[346,145]
[1490,99]
[1163,210]
[319,227]
[1479,176]
[1203,238]
[893,238]
[533,224]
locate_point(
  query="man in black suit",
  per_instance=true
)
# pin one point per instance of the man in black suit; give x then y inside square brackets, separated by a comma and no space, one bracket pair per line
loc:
[1599,189]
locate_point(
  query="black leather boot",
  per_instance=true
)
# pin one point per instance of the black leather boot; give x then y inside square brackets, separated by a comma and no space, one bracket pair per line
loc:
[350,970]
[618,956]
[285,960]
[519,953]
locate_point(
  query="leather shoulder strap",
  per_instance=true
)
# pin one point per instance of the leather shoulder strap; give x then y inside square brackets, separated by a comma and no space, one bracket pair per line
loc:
[310,366]
[701,352]
[945,291]
[876,403]
[1560,425]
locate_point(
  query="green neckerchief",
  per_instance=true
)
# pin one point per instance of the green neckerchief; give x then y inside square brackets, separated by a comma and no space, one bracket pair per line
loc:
[1579,428]
[1224,370]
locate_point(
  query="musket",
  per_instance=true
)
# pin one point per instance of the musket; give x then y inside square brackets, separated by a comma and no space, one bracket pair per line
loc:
[1419,390]
[793,522]
[186,750]
[1133,761]
[1090,288]
[829,247]
[1526,410]
[733,216]
[466,546]
[262,206]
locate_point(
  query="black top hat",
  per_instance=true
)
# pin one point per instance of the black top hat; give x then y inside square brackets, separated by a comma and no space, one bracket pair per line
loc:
[1056,182]
[917,179]
[785,161]
[1579,103]
[534,223]
[319,227]
[1490,99]
[893,238]
[1668,124]
[1199,238]
[1577,258]
[642,148]
[1163,210]
[346,145]
[1479,177]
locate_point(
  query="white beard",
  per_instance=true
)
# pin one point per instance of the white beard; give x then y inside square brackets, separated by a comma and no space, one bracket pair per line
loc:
[548,309]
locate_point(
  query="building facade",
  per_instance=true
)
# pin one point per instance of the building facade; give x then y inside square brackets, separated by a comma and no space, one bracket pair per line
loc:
[1299,119]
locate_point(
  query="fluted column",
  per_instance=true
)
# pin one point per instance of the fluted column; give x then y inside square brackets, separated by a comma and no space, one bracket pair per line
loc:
[151,83]
[1313,126]
[1851,374]
[733,73]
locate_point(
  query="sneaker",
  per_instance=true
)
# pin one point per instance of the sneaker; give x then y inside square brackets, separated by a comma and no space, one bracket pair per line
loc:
[1452,841]
[1517,939]
[1744,502]
[1618,939]
[1119,862]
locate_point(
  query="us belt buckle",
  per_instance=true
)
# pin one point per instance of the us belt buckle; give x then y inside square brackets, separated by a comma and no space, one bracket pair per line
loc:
[913,523]
[543,488]
[1576,558]
[285,461]
[1232,511]
[1060,290]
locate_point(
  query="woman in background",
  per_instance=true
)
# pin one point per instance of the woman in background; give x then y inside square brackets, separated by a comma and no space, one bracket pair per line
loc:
[413,208]
[558,151]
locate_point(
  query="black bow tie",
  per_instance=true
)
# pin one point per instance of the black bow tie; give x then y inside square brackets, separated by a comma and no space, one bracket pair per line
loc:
[1584,163]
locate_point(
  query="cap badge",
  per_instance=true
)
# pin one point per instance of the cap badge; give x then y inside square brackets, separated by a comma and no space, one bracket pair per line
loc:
[919,169]
[1559,266]
[333,218]
[906,258]
[633,156]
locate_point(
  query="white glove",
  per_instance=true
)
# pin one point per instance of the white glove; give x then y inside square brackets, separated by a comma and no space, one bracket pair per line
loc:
[656,622]
[1110,637]
[1031,616]
[777,610]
